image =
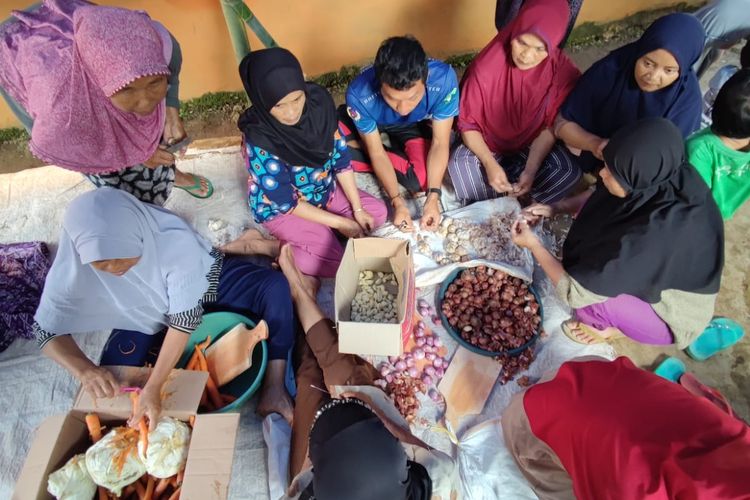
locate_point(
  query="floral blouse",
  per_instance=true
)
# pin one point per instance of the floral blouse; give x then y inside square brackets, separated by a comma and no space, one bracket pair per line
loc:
[275,187]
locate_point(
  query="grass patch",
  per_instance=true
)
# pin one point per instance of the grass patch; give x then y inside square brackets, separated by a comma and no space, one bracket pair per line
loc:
[213,103]
[13,134]
[337,81]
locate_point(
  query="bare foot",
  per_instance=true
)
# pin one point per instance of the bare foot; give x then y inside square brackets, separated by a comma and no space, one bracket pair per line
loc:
[252,242]
[587,334]
[274,397]
[184,180]
[300,284]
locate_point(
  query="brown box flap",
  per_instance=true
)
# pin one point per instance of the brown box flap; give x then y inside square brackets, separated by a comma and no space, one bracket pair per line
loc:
[182,393]
[209,465]
[54,443]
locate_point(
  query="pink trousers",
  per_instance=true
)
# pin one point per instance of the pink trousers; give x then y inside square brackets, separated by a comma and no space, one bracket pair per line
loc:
[317,249]
[631,315]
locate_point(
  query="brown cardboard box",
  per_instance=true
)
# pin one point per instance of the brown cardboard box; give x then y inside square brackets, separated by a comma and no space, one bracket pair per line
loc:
[210,455]
[374,254]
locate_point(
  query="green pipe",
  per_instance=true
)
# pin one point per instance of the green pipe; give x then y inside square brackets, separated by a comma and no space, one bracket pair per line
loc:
[236,15]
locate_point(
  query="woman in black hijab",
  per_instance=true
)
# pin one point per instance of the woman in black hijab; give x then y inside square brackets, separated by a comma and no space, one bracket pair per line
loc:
[301,186]
[645,253]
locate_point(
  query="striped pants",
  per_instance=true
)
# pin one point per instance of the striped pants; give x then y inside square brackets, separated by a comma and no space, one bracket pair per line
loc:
[557,175]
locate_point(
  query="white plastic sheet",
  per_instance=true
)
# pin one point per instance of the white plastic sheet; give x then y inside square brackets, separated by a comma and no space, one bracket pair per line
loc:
[277,434]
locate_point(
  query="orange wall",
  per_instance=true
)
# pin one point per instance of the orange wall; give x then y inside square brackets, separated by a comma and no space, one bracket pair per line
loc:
[326,34]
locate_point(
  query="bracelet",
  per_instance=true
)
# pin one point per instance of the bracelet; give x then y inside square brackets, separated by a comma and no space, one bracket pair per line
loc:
[437,191]
[360,209]
[397,195]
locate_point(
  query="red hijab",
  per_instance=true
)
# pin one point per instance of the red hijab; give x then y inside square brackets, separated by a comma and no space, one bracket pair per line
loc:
[510,106]
[622,432]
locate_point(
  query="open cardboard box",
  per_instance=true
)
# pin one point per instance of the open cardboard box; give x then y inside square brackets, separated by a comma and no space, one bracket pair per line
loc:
[212,443]
[374,254]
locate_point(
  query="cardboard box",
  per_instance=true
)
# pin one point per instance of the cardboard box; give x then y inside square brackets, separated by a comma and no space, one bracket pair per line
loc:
[210,455]
[374,254]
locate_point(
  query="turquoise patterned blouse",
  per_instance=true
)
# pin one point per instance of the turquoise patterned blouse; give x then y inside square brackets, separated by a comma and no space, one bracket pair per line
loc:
[274,187]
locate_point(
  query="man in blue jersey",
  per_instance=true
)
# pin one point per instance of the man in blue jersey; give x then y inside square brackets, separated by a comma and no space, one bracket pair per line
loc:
[413,100]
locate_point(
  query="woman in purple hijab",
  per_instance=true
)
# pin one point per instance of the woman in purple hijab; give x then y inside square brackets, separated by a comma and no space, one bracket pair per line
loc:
[96,88]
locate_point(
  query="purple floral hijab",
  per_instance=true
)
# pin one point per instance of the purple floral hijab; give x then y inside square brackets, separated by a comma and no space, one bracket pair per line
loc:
[63,61]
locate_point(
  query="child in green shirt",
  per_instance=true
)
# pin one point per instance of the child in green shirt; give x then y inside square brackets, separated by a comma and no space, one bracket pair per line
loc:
[721,153]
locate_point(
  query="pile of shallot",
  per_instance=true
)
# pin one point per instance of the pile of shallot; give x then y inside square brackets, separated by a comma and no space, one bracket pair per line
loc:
[418,370]
[491,310]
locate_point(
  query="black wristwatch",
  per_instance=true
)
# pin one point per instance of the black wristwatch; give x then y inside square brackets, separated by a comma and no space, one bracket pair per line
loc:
[437,191]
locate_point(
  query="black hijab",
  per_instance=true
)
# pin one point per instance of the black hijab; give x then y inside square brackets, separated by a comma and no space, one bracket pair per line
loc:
[354,456]
[268,75]
[666,234]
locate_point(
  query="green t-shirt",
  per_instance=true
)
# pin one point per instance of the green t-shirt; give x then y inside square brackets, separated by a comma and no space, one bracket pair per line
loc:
[726,171]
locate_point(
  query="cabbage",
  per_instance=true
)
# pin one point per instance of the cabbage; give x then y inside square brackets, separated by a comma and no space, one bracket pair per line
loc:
[167,448]
[72,481]
[113,462]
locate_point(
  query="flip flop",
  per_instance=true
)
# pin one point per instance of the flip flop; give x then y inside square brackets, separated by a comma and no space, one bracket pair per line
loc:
[567,328]
[195,188]
[671,369]
[721,333]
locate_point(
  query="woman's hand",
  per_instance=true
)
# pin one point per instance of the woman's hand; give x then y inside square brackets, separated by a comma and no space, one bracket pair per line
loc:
[497,178]
[364,219]
[99,382]
[148,405]
[174,130]
[525,181]
[534,213]
[160,157]
[522,234]
[349,228]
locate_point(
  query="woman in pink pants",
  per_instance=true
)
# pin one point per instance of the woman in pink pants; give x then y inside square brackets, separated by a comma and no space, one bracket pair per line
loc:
[301,187]
[645,253]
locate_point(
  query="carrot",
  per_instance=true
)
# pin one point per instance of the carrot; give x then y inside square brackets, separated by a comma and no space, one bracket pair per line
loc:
[202,361]
[143,428]
[162,486]
[103,495]
[213,393]
[228,398]
[150,488]
[140,490]
[203,345]
[176,494]
[191,420]
[95,427]
[193,362]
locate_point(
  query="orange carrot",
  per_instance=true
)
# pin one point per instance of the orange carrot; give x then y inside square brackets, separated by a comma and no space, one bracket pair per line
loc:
[191,420]
[193,362]
[150,485]
[140,490]
[203,345]
[202,361]
[143,428]
[213,393]
[162,486]
[95,427]
[228,398]
[176,494]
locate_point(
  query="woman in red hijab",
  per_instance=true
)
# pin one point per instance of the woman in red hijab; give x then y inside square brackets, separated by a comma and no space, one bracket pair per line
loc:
[608,430]
[510,96]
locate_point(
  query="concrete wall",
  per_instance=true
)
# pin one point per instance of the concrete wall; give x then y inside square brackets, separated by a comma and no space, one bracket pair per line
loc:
[326,34]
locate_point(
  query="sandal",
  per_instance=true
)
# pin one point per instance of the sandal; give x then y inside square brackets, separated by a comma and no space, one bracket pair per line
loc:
[567,328]
[721,333]
[671,369]
[195,189]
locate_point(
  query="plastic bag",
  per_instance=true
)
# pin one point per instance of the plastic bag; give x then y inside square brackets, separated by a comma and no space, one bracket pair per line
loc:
[278,435]
[72,481]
